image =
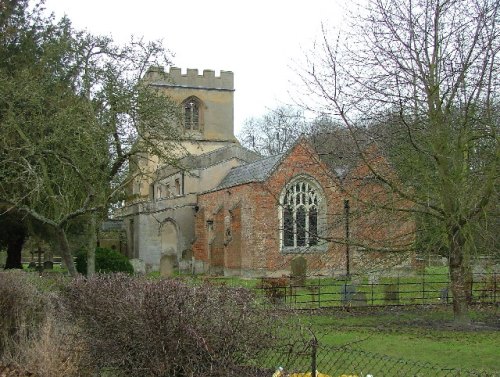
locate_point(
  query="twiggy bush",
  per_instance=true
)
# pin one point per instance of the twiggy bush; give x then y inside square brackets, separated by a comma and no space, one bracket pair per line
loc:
[22,309]
[168,328]
[56,350]
[35,332]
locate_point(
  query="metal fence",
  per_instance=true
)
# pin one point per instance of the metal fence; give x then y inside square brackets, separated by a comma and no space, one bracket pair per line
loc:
[317,360]
[421,289]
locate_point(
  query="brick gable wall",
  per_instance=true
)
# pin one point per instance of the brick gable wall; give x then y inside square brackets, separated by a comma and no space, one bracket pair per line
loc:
[245,236]
[250,221]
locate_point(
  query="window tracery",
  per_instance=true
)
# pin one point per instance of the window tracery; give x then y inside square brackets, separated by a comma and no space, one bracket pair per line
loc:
[192,117]
[300,214]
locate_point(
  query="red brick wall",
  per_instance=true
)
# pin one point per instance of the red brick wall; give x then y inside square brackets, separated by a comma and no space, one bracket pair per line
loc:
[255,222]
[379,216]
[217,242]
[232,258]
[250,213]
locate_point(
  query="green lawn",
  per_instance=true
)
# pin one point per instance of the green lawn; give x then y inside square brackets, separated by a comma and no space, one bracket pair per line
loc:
[418,335]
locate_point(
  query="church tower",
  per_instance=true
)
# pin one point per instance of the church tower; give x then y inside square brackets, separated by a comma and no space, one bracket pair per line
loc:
[207,103]
[159,216]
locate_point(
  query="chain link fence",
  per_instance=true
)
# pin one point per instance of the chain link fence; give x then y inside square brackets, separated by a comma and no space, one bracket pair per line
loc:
[299,360]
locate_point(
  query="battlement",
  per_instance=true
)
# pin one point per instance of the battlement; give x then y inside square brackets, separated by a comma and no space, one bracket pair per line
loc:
[191,79]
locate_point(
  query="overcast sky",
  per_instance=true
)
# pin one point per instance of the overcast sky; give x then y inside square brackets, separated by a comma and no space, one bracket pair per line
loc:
[258,40]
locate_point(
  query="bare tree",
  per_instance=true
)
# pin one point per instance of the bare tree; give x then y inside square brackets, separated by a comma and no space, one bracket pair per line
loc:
[275,132]
[429,69]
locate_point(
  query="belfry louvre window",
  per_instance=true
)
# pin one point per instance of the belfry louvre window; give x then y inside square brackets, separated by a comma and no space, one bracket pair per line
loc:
[192,114]
[300,204]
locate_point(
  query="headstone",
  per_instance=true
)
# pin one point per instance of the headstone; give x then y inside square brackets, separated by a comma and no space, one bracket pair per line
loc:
[420,265]
[48,265]
[167,263]
[299,271]
[32,265]
[347,292]
[443,295]
[373,279]
[139,266]
[391,294]
[359,299]
[185,266]
[479,270]
[357,279]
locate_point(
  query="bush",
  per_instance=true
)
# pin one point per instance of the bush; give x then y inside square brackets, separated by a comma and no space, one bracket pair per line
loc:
[106,260]
[168,328]
[35,334]
[22,309]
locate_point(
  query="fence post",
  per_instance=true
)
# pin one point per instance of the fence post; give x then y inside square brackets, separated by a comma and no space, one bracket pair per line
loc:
[471,288]
[319,293]
[494,287]
[372,292]
[399,290]
[314,350]
[423,287]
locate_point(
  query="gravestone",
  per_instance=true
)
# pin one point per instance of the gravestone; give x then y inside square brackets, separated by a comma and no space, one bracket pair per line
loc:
[443,295]
[299,271]
[359,299]
[391,294]
[373,279]
[48,265]
[347,292]
[167,263]
[420,265]
[139,266]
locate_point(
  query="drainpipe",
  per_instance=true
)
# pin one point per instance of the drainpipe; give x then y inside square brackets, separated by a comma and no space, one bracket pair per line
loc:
[347,257]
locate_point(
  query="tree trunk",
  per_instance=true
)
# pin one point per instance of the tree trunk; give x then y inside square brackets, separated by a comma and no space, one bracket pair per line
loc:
[92,243]
[14,250]
[459,277]
[66,256]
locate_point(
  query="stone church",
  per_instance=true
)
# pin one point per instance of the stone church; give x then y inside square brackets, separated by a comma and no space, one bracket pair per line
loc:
[226,210]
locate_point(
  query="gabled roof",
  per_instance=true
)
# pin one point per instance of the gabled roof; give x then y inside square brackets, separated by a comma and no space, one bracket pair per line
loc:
[257,171]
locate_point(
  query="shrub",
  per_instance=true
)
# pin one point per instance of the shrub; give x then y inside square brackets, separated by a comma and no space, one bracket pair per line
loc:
[168,328]
[35,334]
[106,260]
[22,309]
[274,288]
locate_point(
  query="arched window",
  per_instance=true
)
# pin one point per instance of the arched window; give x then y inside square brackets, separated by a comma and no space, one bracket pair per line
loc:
[192,116]
[301,207]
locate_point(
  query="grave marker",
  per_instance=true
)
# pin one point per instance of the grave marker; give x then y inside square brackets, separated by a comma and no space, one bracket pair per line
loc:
[299,271]
[347,292]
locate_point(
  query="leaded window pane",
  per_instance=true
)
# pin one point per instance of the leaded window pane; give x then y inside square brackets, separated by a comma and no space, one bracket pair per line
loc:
[300,215]
[313,226]
[191,115]
[300,221]
[288,235]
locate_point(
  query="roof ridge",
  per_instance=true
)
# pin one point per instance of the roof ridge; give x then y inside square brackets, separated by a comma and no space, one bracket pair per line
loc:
[255,171]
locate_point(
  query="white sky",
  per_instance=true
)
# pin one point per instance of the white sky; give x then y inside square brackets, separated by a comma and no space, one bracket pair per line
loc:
[258,40]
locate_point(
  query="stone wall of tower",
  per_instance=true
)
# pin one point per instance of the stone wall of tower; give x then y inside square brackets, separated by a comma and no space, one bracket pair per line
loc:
[216,94]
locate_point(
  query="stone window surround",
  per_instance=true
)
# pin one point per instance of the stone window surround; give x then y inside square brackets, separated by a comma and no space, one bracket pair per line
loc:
[200,116]
[321,246]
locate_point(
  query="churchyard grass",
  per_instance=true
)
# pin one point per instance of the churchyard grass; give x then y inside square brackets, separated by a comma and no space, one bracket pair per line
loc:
[417,334]
[419,330]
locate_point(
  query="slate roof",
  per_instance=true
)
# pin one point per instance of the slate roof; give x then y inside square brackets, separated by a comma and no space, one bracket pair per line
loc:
[257,171]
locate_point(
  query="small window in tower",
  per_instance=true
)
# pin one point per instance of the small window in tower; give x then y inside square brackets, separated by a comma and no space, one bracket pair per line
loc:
[177,186]
[192,114]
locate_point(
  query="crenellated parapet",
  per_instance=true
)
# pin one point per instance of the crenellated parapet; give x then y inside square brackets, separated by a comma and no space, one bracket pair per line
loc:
[191,79]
